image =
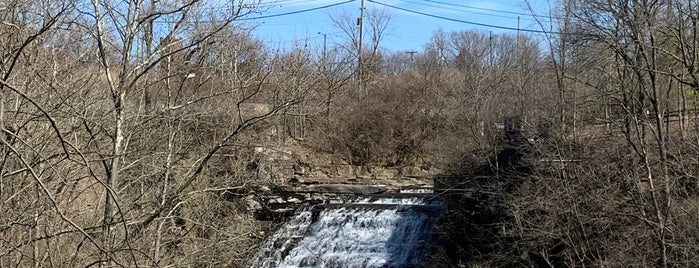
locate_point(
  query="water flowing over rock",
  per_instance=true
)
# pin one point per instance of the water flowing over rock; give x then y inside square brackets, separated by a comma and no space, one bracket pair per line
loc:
[389,231]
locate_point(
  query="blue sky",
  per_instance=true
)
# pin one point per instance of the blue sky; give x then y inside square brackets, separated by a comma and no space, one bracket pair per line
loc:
[407,31]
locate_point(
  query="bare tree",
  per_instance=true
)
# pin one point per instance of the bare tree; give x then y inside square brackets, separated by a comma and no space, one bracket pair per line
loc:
[379,22]
[123,110]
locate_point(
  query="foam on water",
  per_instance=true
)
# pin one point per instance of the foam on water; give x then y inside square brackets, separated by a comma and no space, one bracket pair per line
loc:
[389,232]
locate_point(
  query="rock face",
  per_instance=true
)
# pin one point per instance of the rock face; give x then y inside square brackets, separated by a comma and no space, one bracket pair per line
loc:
[305,178]
[282,201]
[292,160]
[340,189]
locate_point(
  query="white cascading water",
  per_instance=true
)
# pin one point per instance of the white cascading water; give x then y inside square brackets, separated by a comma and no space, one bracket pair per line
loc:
[383,232]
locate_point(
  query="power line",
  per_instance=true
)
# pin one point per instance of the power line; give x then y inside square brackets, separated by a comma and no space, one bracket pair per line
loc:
[288,2]
[276,15]
[292,23]
[492,10]
[261,3]
[473,12]
[297,12]
[463,21]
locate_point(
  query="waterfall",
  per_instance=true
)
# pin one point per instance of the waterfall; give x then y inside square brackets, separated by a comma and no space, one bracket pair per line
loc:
[364,232]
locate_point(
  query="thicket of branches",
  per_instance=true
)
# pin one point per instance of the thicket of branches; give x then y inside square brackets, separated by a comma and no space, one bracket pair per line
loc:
[607,176]
[123,124]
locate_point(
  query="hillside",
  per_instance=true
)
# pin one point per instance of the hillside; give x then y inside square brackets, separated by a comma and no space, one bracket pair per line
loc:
[144,133]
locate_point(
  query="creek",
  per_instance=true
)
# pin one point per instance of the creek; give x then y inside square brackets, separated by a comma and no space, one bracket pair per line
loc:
[359,231]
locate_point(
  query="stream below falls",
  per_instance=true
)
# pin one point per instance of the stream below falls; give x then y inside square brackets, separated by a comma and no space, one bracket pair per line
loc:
[389,231]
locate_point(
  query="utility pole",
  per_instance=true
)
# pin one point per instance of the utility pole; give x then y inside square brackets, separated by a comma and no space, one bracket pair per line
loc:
[412,53]
[360,75]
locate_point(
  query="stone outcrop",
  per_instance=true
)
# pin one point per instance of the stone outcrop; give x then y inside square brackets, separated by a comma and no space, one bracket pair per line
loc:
[282,201]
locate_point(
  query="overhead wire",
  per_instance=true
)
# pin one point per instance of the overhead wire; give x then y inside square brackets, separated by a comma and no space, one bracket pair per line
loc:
[297,11]
[472,12]
[261,3]
[292,23]
[414,12]
[410,11]
[463,21]
[288,2]
[286,13]
[493,10]
[282,2]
